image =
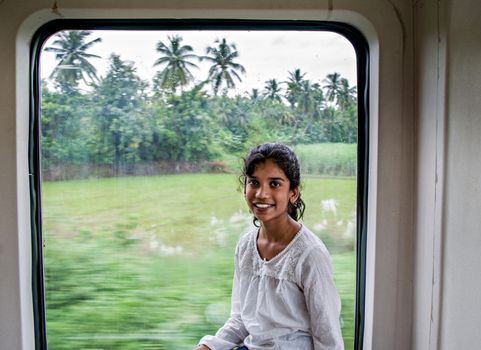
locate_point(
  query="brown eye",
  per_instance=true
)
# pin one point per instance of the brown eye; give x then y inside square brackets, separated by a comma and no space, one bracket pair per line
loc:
[275,184]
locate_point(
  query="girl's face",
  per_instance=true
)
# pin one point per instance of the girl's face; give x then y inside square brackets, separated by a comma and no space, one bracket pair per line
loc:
[267,192]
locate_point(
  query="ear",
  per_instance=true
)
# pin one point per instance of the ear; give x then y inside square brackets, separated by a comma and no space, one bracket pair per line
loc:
[294,195]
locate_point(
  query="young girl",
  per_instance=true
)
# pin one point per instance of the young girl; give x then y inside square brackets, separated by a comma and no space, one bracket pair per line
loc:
[283,295]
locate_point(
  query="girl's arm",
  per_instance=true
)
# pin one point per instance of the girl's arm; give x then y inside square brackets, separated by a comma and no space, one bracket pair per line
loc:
[322,300]
[233,332]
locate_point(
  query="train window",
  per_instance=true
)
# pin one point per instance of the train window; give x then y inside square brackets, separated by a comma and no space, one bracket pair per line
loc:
[137,132]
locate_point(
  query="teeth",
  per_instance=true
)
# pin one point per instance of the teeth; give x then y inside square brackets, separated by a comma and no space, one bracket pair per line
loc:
[259,205]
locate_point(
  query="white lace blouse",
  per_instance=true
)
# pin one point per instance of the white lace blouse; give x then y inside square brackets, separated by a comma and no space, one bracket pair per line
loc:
[287,303]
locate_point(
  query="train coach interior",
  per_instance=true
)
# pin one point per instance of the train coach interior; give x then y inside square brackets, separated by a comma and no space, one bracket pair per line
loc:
[420,276]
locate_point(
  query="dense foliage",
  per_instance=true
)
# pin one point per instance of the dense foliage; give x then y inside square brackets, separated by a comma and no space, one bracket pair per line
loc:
[120,124]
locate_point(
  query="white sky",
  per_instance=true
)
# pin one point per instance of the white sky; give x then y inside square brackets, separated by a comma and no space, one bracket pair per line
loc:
[264,54]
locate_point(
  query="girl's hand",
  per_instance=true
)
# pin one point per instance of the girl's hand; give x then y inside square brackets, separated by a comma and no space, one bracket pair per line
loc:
[202,347]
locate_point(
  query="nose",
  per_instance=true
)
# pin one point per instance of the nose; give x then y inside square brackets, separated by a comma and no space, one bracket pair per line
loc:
[263,191]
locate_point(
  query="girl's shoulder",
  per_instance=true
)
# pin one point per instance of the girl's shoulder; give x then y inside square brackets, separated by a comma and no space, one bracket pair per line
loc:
[313,240]
[313,247]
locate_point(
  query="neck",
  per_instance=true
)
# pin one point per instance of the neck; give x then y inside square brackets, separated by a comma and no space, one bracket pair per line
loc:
[280,231]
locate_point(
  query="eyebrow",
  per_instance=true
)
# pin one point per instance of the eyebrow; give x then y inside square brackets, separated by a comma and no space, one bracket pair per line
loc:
[270,178]
[277,178]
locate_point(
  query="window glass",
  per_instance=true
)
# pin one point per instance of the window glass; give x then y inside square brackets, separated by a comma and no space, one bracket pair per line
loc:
[142,133]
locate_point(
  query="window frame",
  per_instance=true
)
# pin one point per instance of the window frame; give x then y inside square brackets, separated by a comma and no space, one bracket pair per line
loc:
[353,35]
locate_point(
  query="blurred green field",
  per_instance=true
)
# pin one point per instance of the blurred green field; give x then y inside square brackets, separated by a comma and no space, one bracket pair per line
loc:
[333,159]
[146,262]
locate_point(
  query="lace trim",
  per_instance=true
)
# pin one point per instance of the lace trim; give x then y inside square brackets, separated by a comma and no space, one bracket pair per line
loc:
[282,267]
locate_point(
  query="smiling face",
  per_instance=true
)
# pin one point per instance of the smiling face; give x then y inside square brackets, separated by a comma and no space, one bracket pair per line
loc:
[267,192]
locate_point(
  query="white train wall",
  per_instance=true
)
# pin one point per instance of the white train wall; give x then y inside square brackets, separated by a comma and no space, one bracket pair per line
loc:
[424,228]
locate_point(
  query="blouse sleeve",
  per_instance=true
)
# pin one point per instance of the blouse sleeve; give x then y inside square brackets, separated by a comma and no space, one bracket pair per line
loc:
[322,300]
[233,332]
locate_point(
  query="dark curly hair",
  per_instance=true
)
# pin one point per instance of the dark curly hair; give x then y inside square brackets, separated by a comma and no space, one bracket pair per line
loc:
[286,159]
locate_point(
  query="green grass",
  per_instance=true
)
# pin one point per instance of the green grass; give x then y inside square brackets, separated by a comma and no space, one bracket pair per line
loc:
[333,159]
[146,262]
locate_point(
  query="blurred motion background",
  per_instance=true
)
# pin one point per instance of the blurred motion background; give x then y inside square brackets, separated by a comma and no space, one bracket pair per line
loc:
[141,201]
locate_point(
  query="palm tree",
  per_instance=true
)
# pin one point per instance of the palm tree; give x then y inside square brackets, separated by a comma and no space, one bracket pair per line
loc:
[254,95]
[176,59]
[294,83]
[305,100]
[333,86]
[346,95]
[223,69]
[272,90]
[70,48]
[309,104]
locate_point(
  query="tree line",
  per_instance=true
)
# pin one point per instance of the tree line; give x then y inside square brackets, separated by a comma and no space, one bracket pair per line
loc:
[122,119]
